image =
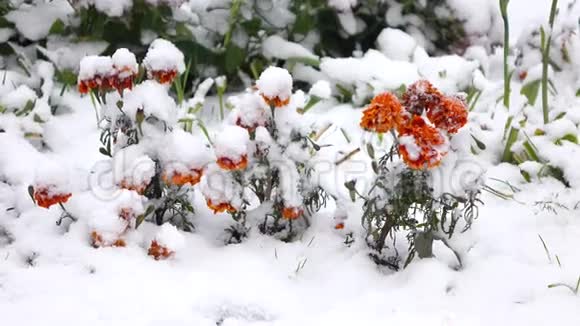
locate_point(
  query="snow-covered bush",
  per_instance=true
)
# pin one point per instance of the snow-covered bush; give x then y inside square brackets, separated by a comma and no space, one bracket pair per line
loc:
[151,155]
[261,175]
[404,198]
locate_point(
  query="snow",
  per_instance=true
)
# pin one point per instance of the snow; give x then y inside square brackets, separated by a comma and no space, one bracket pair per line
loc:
[275,82]
[231,142]
[342,5]
[169,237]
[95,66]
[125,63]
[321,89]
[277,47]
[396,44]
[183,151]
[111,8]
[164,56]
[152,98]
[34,22]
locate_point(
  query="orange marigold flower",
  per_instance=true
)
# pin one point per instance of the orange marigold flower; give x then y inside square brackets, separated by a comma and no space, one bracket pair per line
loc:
[220,207]
[421,145]
[231,165]
[291,213]
[276,101]
[450,115]
[163,76]
[139,188]
[383,113]
[339,226]
[97,241]
[180,179]
[122,83]
[45,198]
[158,251]
[420,96]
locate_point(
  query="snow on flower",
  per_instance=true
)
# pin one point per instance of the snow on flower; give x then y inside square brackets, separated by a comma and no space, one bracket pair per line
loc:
[421,96]
[275,86]
[163,61]
[421,145]
[95,73]
[184,156]
[133,169]
[126,69]
[151,99]
[106,229]
[383,113]
[292,213]
[321,89]
[231,148]
[250,111]
[167,241]
[221,192]
[51,185]
[450,115]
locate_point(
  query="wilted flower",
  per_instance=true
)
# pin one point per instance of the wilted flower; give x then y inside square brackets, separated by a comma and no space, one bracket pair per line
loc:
[158,251]
[421,96]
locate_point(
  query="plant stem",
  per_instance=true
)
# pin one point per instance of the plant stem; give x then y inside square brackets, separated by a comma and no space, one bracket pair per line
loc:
[546,42]
[503,4]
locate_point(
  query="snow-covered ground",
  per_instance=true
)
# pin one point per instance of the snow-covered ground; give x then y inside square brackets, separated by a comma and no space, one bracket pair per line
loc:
[515,258]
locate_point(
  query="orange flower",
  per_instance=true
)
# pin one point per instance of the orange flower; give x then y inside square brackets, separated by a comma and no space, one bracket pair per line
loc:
[97,241]
[421,96]
[231,165]
[45,199]
[450,115]
[220,207]
[163,76]
[383,113]
[158,251]
[276,101]
[291,213]
[420,144]
[180,179]
[140,188]
[339,226]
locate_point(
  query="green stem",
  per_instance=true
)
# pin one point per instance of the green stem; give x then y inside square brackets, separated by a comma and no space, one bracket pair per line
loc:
[546,42]
[506,48]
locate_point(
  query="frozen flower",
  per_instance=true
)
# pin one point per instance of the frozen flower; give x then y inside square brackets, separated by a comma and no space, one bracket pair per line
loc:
[98,241]
[163,61]
[421,145]
[231,148]
[421,96]
[250,111]
[383,113]
[46,196]
[95,73]
[130,185]
[192,177]
[275,86]
[450,115]
[220,207]
[126,69]
[339,226]
[291,213]
[158,251]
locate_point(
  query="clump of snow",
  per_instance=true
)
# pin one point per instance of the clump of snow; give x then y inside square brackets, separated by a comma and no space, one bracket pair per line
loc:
[152,98]
[17,99]
[342,5]
[250,110]
[169,237]
[232,142]
[95,66]
[277,47]
[66,55]
[321,89]
[164,56]
[111,8]
[410,144]
[107,224]
[125,63]
[54,176]
[275,82]
[34,21]
[396,44]
[218,186]
[184,151]
[131,165]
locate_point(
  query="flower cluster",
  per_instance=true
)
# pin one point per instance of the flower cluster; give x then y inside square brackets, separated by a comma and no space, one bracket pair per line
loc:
[46,196]
[104,73]
[423,122]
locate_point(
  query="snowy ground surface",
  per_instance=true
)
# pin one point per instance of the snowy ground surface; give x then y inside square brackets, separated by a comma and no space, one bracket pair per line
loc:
[52,277]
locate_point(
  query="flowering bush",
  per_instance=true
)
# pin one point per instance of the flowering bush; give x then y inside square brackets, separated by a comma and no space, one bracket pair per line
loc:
[151,155]
[262,164]
[402,199]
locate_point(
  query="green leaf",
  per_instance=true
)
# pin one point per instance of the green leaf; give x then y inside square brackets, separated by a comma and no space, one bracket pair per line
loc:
[569,137]
[66,77]
[512,138]
[304,23]
[234,57]
[57,27]
[479,143]
[252,26]
[104,151]
[371,150]
[31,193]
[531,90]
